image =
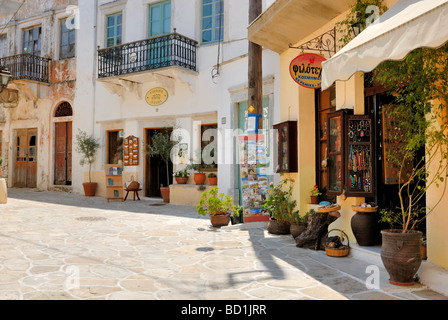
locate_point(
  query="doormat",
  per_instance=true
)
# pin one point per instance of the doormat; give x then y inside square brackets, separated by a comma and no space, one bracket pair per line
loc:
[157,204]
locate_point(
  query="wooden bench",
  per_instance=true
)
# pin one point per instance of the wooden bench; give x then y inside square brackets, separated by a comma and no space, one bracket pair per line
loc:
[135,193]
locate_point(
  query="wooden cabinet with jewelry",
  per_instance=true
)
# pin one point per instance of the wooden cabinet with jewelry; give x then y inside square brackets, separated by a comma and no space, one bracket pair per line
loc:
[359,173]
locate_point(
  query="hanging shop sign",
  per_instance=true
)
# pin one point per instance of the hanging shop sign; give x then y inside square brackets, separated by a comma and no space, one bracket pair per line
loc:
[156,97]
[306,70]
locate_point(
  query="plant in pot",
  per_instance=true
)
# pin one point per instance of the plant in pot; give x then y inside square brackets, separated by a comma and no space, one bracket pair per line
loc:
[181,176]
[281,206]
[299,222]
[87,146]
[213,179]
[422,160]
[315,193]
[237,216]
[161,144]
[218,205]
[198,168]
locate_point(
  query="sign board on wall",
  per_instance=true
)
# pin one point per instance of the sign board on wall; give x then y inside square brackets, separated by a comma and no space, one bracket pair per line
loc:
[156,97]
[306,70]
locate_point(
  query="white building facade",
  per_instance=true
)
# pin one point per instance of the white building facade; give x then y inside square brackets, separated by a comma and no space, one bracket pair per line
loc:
[195,52]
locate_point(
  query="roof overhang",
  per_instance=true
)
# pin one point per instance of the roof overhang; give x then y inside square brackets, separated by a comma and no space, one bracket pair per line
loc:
[287,22]
[408,25]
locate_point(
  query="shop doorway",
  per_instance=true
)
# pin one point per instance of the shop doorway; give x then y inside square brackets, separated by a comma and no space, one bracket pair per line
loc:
[387,188]
[25,164]
[155,168]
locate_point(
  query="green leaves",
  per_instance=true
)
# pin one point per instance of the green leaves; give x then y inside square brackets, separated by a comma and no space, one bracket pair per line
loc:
[214,204]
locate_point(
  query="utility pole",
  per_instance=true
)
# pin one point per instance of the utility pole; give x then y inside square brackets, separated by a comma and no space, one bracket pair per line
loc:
[255,80]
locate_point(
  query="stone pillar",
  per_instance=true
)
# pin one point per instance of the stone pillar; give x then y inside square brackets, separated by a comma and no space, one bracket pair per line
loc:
[3,192]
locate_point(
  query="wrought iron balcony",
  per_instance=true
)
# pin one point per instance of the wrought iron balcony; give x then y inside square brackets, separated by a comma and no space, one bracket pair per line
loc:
[154,53]
[26,66]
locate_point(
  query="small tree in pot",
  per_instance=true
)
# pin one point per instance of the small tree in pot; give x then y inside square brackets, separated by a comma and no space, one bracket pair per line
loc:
[87,146]
[161,144]
[414,82]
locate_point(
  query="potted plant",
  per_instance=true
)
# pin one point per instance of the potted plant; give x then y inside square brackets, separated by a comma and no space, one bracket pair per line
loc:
[87,146]
[315,193]
[198,176]
[299,222]
[181,176]
[414,82]
[161,144]
[237,216]
[280,206]
[218,205]
[212,179]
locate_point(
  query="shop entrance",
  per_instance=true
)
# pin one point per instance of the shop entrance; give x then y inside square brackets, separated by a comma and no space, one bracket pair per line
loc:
[25,164]
[155,168]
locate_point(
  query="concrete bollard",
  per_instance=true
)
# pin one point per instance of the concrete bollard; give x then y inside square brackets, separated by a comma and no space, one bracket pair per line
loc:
[3,192]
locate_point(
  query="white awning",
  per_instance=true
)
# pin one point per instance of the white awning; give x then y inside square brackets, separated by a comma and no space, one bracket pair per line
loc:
[408,25]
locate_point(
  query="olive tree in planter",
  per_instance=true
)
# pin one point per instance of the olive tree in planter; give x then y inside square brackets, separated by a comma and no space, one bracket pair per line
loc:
[87,146]
[161,144]
[415,82]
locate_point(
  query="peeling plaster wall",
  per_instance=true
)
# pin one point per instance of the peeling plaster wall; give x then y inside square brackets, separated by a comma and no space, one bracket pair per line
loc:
[36,102]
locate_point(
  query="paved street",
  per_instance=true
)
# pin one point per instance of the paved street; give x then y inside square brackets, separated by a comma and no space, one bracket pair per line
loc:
[64,246]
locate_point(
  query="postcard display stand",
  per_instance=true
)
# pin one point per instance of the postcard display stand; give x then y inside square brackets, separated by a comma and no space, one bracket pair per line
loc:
[131,151]
[254,178]
[114,182]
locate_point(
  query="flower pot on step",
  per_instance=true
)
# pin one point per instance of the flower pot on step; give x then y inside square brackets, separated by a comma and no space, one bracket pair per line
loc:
[90,188]
[165,194]
[199,178]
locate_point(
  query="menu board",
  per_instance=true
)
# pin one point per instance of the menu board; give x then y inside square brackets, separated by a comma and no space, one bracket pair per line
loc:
[254,177]
[131,151]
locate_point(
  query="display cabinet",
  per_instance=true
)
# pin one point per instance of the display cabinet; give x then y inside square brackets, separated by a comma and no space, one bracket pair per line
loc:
[336,157]
[114,182]
[287,146]
[360,161]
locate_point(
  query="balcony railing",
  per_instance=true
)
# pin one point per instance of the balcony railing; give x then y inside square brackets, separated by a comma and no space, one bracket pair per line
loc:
[158,52]
[26,66]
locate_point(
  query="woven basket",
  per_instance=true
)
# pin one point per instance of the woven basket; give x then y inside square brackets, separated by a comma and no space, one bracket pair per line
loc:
[133,185]
[338,252]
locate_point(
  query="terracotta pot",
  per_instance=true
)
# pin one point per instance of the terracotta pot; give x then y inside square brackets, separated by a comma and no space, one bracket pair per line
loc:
[213,181]
[90,188]
[181,180]
[423,251]
[220,220]
[199,178]
[165,194]
[364,227]
[278,228]
[296,229]
[1,171]
[401,255]
[314,200]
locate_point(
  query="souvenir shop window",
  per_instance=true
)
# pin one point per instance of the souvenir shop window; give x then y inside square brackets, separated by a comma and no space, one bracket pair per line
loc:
[287,146]
[115,147]
[325,103]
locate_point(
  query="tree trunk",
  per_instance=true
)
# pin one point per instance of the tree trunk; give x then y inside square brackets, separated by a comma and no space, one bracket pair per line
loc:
[255,72]
[317,229]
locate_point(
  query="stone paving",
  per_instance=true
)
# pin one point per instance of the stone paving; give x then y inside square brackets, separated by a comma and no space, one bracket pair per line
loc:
[64,246]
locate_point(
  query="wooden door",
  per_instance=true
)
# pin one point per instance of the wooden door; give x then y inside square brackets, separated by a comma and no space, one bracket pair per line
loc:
[63,153]
[25,168]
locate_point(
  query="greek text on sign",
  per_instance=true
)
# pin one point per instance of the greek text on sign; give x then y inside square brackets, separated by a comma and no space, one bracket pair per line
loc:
[306,70]
[156,96]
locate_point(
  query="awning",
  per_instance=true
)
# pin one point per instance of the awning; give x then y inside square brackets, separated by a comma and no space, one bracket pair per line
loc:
[408,25]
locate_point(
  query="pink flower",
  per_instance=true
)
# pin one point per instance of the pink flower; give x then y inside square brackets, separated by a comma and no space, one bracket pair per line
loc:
[271,184]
